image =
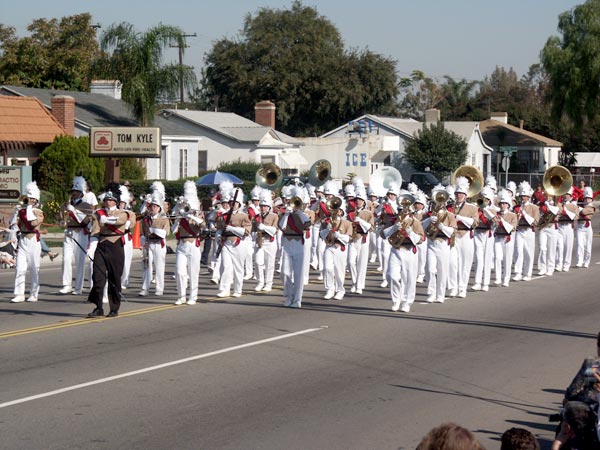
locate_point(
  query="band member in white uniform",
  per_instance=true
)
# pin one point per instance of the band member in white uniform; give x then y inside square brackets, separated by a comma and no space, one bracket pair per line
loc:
[336,234]
[547,238]
[358,252]
[28,220]
[467,219]
[75,217]
[292,225]
[404,236]
[372,205]
[187,228]
[566,223]
[528,215]
[266,243]
[584,230]
[233,228]
[484,240]
[124,204]
[420,207]
[307,236]
[505,223]
[155,229]
[387,214]
[440,227]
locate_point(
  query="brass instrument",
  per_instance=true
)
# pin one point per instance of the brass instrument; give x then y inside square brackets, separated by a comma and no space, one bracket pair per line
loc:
[397,238]
[383,178]
[269,176]
[319,173]
[22,201]
[475,177]
[439,210]
[297,203]
[557,181]
[334,205]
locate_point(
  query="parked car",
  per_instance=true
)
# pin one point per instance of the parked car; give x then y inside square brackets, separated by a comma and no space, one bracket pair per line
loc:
[424,181]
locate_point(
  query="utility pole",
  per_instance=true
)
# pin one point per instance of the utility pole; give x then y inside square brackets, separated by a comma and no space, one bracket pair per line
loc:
[180,50]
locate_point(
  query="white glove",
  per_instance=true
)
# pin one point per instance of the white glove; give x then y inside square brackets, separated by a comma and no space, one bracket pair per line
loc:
[194,218]
[329,226]
[127,224]
[289,209]
[261,226]
[70,208]
[434,219]
[336,234]
[408,230]
[108,219]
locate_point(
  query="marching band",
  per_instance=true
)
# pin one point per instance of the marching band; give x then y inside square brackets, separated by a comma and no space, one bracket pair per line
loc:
[414,239]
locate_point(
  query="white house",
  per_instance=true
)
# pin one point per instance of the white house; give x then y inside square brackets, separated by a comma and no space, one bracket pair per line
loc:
[223,137]
[370,142]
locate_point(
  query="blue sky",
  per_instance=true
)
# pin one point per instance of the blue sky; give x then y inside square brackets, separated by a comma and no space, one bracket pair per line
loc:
[460,38]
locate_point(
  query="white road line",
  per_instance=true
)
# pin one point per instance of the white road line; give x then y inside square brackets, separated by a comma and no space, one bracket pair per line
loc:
[157,367]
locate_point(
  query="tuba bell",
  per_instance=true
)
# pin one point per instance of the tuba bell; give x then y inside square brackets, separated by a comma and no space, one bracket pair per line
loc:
[383,178]
[297,203]
[269,176]
[475,177]
[557,180]
[319,173]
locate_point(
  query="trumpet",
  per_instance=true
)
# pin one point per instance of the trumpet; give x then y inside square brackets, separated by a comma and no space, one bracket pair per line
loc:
[334,205]
[439,210]
[397,239]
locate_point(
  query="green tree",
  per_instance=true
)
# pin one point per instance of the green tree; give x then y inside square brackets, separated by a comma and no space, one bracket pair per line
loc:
[441,150]
[57,54]
[296,58]
[131,169]
[457,98]
[573,65]
[65,158]
[418,93]
[137,61]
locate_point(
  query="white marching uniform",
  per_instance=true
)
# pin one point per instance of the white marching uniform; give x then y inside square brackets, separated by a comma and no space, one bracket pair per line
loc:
[547,246]
[566,236]
[404,262]
[28,221]
[441,229]
[358,251]
[76,242]
[503,246]
[128,249]
[335,257]
[265,251]
[585,236]
[467,218]
[233,253]
[292,225]
[187,230]
[155,230]
[484,249]
[528,215]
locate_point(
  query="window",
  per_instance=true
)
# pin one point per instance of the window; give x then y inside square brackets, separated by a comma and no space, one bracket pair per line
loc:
[183,161]
[267,159]
[202,160]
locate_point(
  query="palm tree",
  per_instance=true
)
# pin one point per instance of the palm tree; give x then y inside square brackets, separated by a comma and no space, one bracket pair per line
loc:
[136,61]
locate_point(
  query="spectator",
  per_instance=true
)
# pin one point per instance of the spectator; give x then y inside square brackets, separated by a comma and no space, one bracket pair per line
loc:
[449,436]
[580,389]
[519,439]
[578,428]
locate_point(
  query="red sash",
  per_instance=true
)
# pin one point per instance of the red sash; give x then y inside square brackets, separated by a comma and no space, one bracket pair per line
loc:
[294,228]
[186,226]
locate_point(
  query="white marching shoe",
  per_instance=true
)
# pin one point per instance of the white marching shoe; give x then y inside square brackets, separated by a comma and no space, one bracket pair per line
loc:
[476,287]
[66,290]
[18,299]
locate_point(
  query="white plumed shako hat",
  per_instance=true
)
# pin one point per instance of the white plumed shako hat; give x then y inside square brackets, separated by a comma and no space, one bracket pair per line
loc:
[32,190]
[461,185]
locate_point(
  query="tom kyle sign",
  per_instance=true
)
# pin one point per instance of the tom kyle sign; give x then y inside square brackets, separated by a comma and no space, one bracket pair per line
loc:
[132,142]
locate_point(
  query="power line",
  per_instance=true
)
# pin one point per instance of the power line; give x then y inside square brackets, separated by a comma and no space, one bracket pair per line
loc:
[180,51]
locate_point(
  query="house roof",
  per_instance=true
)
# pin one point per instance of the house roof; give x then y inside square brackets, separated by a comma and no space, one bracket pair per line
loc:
[91,110]
[229,125]
[393,123]
[496,134]
[25,121]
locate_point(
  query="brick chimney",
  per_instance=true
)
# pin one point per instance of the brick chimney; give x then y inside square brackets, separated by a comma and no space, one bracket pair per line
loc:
[264,113]
[63,109]
[432,115]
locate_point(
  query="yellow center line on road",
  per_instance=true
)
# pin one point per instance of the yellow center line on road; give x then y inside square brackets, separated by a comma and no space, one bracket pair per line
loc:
[85,321]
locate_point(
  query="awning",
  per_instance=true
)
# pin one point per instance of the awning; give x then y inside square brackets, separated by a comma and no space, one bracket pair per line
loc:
[381,156]
[292,160]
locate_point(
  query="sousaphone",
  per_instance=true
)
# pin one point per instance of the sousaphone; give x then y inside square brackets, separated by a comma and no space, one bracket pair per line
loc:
[319,173]
[269,176]
[557,180]
[475,177]
[383,178]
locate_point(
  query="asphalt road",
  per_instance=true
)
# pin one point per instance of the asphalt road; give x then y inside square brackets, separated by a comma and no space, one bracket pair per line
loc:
[249,374]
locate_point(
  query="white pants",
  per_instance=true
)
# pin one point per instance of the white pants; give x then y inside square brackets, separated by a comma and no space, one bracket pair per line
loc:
[292,270]
[547,250]
[72,251]
[232,267]
[264,258]
[187,268]
[503,256]
[156,255]
[28,259]
[314,243]
[484,253]
[452,280]
[584,243]
[402,274]
[358,258]
[249,243]
[438,257]
[564,245]
[128,255]
[373,246]
[465,248]
[422,259]
[91,251]
[386,249]
[334,268]
[307,243]
[525,250]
